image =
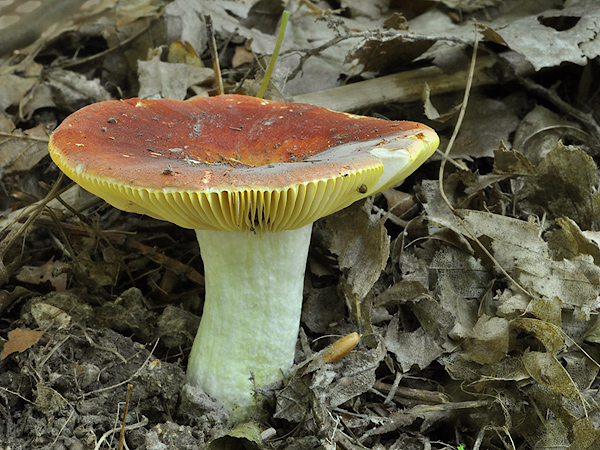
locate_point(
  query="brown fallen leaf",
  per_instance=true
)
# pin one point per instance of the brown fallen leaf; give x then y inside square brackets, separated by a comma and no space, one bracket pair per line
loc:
[243,55]
[50,272]
[20,340]
[184,52]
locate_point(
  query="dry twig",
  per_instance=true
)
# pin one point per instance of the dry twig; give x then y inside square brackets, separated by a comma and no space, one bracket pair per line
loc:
[461,116]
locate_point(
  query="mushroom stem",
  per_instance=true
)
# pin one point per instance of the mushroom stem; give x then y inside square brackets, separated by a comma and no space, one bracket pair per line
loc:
[249,327]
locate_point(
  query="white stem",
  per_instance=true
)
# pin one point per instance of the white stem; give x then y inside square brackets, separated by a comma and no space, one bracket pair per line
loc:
[249,327]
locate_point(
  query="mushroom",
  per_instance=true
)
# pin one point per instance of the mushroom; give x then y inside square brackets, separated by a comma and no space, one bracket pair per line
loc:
[250,176]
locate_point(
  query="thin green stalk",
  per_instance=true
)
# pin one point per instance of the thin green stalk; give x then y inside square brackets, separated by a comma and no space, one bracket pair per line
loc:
[269,71]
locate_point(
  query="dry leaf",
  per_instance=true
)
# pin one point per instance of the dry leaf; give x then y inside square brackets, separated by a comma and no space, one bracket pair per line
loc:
[49,400]
[159,79]
[74,90]
[20,151]
[356,378]
[490,35]
[321,308]
[539,132]
[264,15]
[569,241]
[460,312]
[7,297]
[520,250]
[184,53]
[488,342]
[511,162]
[582,369]
[362,244]
[548,371]
[396,21]
[41,96]
[564,185]
[431,111]
[548,310]
[548,334]
[20,340]
[466,274]
[374,55]
[555,434]
[185,22]
[569,32]
[14,88]
[487,123]
[46,22]
[585,435]
[243,436]
[45,273]
[243,55]
[400,292]
[416,349]
[47,316]
[314,387]
[510,368]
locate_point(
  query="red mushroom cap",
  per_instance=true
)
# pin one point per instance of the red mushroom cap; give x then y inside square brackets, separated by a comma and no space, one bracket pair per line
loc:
[230,162]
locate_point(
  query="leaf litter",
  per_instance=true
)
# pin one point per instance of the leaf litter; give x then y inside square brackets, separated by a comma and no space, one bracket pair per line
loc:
[479,324]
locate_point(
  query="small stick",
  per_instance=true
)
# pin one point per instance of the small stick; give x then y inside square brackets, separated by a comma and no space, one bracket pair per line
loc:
[402,87]
[24,136]
[459,120]
[212,45]
[135,426]
[122,437]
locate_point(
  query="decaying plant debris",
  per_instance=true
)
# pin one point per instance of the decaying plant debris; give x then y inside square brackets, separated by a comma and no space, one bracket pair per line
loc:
[477,300]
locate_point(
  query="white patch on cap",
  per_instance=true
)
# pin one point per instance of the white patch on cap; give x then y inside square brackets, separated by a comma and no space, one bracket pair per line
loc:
[394,162]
